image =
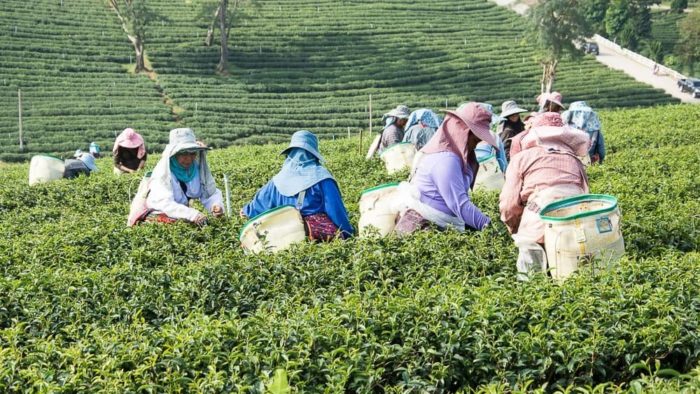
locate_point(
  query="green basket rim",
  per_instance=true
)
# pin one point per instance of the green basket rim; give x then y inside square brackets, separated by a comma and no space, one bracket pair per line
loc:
[394,145]
[254,218]
[489,157]
[382,186]
[49,156]
[567,202]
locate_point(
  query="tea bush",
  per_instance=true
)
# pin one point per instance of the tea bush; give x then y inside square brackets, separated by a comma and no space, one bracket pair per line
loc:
[87,304]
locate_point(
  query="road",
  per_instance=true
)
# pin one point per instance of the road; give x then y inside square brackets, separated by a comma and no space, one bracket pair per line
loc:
[618,61]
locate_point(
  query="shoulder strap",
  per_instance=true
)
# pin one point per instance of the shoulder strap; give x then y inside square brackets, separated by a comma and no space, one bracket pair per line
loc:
[300,200]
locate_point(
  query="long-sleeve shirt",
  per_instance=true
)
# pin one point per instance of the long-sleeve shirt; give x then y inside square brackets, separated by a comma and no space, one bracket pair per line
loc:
[323,197]
[598,146]
[390,136]
[174,202]
[443,186]
[535,169]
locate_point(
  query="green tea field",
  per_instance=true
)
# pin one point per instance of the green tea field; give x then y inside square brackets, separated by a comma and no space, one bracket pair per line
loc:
[89,305]
[293,64]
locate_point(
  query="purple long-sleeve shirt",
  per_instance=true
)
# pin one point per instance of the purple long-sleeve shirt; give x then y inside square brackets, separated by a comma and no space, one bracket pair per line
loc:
[443,186]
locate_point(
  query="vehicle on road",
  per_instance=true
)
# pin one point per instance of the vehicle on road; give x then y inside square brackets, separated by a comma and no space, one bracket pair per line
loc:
[591,47]
[690,85]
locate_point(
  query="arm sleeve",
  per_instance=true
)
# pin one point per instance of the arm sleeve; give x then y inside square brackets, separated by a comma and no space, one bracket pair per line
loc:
[334,207]
[509,201]
[452,186]
[214,199]
[161,199]
[600,148]
[262,201]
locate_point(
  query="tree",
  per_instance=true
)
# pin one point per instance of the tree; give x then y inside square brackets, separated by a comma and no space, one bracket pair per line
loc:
[225,13]
[679,5]
[135,15]
[688,47]
[654,50]
[554,25]
[627,22]
[594,12]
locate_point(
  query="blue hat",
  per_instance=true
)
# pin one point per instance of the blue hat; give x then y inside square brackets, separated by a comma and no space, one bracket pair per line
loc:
[306,140]
[89,161]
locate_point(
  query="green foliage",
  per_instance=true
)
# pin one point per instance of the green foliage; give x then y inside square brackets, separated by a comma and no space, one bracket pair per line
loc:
[627,22]
[555,25]
[679,5]
[665,29]
[688,48]
[594,12]
[654,50]
[88,305]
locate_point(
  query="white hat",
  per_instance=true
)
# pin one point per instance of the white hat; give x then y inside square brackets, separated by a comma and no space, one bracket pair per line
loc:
[509,108]
[183,140]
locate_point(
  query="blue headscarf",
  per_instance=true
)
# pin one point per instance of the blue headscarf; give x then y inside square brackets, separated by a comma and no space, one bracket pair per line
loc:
[425,116]
[300,171]
[182,174]
[581,116]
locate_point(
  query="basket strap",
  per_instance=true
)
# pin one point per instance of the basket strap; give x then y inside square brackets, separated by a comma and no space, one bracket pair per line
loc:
[300,200]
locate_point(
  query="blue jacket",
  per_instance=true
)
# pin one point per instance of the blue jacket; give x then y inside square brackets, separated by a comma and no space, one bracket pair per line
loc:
[323,197]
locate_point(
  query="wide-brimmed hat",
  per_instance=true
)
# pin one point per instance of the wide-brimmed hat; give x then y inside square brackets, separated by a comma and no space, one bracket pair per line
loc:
[306,140]
[183,140]
[478,118]
[553,97]
[401,112]
[129,139]
[509,108]
[89,161]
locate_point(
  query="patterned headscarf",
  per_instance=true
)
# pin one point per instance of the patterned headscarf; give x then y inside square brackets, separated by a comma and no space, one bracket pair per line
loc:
[425,116]
[582,116]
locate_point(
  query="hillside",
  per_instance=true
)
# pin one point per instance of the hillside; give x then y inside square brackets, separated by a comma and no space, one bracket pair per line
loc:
[294,64]
[87,304]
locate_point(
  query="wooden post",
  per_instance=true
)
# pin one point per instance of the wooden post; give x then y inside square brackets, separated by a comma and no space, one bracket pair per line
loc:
[19,107]
[348,132]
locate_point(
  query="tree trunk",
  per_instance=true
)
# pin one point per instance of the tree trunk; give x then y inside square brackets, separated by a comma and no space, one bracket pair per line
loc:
[549,70]
[137,42]
[222,68]
[210,31]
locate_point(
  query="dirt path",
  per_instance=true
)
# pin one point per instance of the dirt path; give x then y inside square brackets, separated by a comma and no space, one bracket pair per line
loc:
[616,60]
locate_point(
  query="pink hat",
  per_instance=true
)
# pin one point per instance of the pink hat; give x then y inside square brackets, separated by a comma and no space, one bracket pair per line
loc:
[130,139]
[478,119]
[554,97]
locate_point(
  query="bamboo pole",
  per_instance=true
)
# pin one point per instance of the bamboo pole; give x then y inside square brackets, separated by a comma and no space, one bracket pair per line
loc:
[228,196]
[370,116]
[19,108]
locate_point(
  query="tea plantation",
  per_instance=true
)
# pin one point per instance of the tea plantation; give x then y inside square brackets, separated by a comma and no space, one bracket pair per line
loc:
[294,64]
[89,305]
